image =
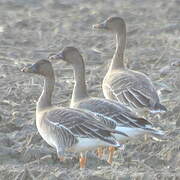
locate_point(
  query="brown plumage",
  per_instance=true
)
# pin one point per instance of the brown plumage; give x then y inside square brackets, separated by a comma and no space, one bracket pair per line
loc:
[67,129]
[129,87]
[111,113]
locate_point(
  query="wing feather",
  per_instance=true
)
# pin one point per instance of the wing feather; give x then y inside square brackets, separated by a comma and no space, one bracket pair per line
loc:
[132,88]
[113,111]
[79,124]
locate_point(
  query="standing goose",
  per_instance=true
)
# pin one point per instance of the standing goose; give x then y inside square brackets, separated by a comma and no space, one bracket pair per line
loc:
[67,129]
[129,87]
[113,114]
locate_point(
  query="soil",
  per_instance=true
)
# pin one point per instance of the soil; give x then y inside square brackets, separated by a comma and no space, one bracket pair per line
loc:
[31,30]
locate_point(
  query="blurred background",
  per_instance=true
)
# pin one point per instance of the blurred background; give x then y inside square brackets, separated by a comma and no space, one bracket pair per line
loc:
[31,30]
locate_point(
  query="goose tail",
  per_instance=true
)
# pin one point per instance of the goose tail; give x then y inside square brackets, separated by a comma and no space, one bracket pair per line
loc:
[116,144]
[159,108]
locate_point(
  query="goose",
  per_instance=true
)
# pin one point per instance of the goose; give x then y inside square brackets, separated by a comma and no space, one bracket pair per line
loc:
[129,87]
[67,129]
[113,114]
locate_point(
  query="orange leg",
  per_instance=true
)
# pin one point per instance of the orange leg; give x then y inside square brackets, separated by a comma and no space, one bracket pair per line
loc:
[82,162]
[61,159]
[100,152]
[111,152]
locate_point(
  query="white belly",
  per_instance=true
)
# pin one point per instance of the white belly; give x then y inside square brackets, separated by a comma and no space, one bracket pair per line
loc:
[131,132]
[86,144]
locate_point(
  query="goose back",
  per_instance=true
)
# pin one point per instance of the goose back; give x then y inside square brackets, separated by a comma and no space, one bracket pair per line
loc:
[130,87]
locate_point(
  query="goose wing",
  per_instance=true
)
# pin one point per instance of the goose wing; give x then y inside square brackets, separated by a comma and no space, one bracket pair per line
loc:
[114,113]
[80,124]
[97,107]
[62,134]
[132,88]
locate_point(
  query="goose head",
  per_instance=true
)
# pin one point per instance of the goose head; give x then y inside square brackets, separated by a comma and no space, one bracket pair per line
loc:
[70,55]
[113,24]
[41,67]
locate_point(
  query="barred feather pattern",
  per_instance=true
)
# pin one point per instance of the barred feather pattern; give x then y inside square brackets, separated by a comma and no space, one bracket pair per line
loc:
[131,88]
[112,113]
[69,124]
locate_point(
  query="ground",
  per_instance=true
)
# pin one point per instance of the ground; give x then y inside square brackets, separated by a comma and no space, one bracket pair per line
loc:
[31,30]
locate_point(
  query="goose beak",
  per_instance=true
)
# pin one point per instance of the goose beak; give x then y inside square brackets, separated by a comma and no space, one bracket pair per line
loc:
[56,56]
[30,69]
[100,26]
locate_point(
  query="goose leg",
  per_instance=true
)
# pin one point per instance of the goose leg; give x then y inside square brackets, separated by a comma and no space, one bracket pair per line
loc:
[111,152]
[61,159]
[82,161]
[100,152]
[60,153]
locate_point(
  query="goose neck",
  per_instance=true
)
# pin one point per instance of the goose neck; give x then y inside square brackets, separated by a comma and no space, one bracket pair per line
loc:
[80,89]
[118,57]
[46,95]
